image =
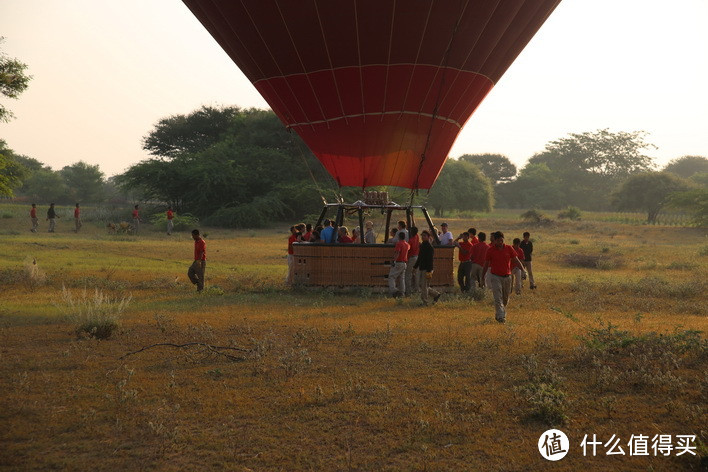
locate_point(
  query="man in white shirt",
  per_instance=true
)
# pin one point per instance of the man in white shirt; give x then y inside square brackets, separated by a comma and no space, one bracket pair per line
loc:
[446,237]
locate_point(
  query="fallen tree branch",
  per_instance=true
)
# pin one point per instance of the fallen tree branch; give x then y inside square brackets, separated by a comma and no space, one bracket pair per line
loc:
[208,347]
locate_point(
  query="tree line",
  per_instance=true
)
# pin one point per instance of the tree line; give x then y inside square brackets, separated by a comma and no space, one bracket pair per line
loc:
[238,167]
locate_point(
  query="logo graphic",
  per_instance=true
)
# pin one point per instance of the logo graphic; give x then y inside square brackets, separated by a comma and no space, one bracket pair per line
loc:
[553,445]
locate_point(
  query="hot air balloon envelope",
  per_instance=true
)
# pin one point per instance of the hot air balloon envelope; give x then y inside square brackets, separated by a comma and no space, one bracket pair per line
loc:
[378,89]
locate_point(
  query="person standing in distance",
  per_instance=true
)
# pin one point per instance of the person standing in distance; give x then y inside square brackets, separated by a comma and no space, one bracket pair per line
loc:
[136,219]
[170,223]
[77,218]
[52,217]
[198,268]
[498,262]
[33,217]
[527,246]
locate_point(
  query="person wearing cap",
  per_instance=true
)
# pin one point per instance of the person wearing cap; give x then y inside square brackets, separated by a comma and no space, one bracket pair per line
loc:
[446,237]
[369,235]
[328,235]
[498,261]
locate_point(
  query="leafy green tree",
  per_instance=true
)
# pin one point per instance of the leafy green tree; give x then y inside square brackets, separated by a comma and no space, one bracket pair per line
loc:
[590,165]
[649,192]
[12,172]
[13,81]
[694,202]
[535,187]
[46,185]
[84,182]
[186,134]
[460,186]
[496,167]
[687,166]
[230,176]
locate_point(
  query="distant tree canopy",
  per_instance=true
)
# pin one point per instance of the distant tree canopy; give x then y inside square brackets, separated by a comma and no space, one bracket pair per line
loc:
[11,171]
[649,192]
[496,167]
[584,170]
[687,166]
[229,167]
[460,186]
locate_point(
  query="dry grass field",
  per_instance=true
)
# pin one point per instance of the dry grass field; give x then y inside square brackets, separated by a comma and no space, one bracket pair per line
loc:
[324,381]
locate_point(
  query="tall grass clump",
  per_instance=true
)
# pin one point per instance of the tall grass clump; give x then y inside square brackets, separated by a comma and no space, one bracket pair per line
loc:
[32,275]
[570,213]
[95,314]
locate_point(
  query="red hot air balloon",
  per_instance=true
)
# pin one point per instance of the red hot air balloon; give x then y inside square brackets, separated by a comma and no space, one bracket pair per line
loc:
[378,89]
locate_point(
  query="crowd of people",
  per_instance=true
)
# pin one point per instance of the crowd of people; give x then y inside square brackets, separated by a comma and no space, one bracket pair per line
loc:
[494,265]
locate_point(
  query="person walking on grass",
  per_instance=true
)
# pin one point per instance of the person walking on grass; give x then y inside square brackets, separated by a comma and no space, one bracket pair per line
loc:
[527,246]
[136,219]
[33,217]
[396,276]
[295,237]
[424,265]
[464,270]
[170,223]
[477,257]
[517,272]
[412,274]
[198,268]
[52,217]
[498,262]
[77,219]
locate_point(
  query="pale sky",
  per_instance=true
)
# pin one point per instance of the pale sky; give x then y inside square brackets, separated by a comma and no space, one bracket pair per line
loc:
[105,71]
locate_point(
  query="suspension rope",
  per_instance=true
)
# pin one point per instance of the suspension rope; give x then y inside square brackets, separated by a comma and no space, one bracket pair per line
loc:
[304,159]
[446,59]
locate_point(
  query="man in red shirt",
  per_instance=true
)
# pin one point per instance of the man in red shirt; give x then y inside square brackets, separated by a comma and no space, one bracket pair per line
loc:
[473,236]
[77,218]
[396,276]
[170,223]
[498,262]
[477,257]
[33,217]
[412,280]
[295,237]
[136,220]
[198,267]
[464,270]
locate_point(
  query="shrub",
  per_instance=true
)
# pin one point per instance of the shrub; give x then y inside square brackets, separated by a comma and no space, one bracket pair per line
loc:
[95,315]
[571,213]
[33,275]
[547,402]
[5,215]
[592,261]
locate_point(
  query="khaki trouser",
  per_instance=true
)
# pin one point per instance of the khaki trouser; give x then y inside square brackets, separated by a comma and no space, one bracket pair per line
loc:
[396,278]
[529,271]
[516,280]
[501,288]
[52,224]
[170,226]
[476,274]
[35,224]
[77,223]
[136,225]
[196,274]
[425,291]
[411,276]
